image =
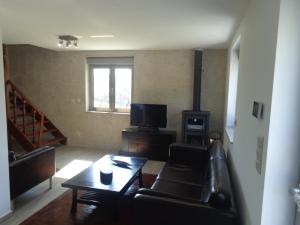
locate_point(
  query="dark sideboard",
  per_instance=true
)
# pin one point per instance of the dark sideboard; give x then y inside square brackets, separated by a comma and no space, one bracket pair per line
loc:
[151,144]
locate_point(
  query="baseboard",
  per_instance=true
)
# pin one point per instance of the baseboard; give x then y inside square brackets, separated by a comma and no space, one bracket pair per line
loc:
[5,215]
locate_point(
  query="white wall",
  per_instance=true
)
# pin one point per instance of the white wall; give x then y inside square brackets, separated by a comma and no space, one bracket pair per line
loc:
[258,32]
[283,157]
[269,73]
[4,177]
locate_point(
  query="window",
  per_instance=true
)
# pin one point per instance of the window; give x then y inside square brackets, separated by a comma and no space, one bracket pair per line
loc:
[232,90]
[110,84]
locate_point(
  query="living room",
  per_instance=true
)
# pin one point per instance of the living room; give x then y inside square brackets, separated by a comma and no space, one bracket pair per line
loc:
[250,73]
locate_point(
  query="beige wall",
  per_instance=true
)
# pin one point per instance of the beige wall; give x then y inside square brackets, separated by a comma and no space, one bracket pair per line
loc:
[55,81]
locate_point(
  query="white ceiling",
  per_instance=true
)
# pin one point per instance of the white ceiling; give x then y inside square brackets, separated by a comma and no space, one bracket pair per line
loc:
[136,24]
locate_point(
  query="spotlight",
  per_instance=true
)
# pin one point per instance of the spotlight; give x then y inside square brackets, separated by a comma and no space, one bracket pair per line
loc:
[67,41]
[68,44]
[60,43]
[75,44]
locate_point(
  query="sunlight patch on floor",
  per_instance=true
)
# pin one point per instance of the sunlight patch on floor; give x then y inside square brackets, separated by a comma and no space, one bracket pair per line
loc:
[73,168]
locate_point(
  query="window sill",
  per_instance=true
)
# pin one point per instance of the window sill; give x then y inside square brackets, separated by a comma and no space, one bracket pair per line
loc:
[103,112]
[230,134]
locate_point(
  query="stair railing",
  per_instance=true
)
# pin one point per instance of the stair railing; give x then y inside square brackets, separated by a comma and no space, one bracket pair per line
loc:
[17,102]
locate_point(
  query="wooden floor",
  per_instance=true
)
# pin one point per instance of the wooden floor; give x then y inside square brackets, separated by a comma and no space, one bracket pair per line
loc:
[38,197]
[58,211]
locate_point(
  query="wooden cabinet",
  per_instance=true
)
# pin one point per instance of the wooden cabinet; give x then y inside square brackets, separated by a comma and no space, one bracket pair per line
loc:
[151,144]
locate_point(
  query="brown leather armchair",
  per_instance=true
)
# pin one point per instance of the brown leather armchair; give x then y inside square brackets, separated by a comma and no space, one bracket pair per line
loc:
[31,169]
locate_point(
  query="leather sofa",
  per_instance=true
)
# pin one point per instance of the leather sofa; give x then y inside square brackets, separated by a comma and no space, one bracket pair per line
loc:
[30,170]
[193,188]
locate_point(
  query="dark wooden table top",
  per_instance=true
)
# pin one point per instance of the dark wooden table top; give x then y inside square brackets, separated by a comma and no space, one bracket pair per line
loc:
[89,179]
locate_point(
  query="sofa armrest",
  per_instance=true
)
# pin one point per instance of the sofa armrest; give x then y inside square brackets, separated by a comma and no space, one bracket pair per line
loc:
[188,153]
[151,209]
[31,154]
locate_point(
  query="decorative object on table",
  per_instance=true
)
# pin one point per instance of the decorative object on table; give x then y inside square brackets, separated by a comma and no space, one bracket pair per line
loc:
[121,163]
[106,176]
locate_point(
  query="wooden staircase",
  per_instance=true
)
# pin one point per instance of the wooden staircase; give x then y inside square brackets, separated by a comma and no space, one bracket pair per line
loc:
[30,127]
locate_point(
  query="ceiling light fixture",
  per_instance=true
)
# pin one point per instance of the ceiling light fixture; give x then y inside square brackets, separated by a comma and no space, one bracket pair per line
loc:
[69,40]
[68,44]
[102,36]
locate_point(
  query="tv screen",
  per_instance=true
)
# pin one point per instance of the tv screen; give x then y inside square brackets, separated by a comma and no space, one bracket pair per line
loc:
[148,115]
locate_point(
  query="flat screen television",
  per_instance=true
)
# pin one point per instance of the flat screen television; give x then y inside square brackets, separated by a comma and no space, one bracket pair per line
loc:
[148,115]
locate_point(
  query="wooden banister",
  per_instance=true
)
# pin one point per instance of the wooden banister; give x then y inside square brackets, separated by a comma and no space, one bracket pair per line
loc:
[33,125]
[20,94]
[17,101]
[27,124]
[41,132]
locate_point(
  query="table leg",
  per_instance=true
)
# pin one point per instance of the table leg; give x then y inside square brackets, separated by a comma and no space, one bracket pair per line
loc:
[141,178]
[74,201]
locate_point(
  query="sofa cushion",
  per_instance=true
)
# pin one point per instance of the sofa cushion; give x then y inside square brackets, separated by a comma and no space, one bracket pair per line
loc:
[188,174]
[188,153]
[177,190]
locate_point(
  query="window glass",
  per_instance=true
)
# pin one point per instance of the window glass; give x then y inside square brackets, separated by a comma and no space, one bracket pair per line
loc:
[109,84]
[123,77]
[101,87]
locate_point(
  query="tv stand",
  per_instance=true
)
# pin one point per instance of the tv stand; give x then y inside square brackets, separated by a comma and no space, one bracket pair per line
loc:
[148,129]
[153,144]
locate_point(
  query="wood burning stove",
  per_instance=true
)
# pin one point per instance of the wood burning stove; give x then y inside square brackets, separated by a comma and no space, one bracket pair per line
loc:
[195,127]
[195,123]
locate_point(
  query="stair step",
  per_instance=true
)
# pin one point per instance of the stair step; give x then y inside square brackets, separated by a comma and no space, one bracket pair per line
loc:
[18,100]
[36,123]
[54,141]
[18,107]
[51,130]
[31,124]
[22,115]
[45,131]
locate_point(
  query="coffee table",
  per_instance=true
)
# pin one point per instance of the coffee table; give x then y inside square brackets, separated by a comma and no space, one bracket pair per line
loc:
[89,180]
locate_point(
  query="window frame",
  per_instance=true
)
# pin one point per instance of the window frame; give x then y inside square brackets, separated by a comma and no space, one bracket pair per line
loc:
[233,77]
[112,86]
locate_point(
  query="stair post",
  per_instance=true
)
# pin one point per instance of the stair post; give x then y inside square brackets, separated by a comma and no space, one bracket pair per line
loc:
[41,130]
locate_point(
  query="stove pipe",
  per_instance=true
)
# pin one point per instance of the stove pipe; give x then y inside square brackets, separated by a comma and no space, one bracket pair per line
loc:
[197,81]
